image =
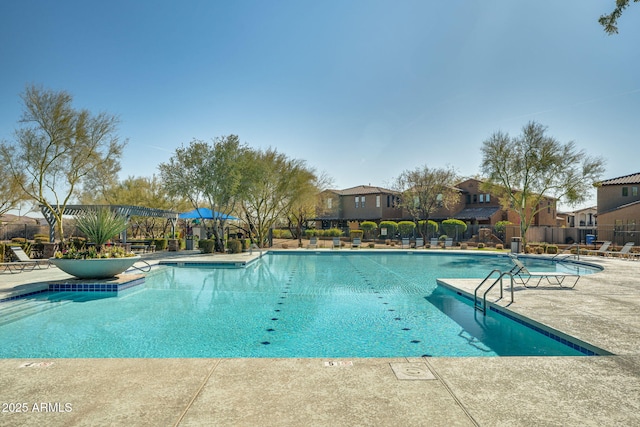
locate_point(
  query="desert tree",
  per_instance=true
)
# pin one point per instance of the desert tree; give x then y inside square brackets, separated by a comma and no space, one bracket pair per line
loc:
[304,208]
[610,21]
[272,184]
[207,175]
[523,171]
[57,147]
[426,190]
[11,194]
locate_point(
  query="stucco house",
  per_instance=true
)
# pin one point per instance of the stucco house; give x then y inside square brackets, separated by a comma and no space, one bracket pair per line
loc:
[619,209]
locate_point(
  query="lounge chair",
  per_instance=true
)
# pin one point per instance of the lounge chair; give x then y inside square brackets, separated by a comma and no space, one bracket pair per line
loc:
[602,249]
[405,242]
[355,243]
[624,252]
[24,258]
[419,242]
[433,242]
[336,243]
[448,243]
[313,243]
[524,276]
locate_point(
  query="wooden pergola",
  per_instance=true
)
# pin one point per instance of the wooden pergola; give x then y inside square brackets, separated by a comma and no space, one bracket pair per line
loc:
[125,211]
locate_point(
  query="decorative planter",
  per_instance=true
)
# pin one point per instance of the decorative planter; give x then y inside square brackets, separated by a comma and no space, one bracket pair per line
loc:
[94,268]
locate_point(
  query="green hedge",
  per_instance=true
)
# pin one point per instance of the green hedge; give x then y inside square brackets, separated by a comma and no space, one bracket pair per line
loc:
[234,246]
[406,228]
[392,228]
[207,245]
[161,244]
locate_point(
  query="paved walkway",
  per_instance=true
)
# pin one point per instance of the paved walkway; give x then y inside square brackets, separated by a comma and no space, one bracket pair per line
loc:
[516,391]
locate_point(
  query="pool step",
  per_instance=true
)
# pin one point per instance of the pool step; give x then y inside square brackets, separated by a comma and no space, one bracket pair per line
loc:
[27,308]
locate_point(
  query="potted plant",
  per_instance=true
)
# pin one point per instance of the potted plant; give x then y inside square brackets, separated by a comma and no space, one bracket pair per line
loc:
[96,262]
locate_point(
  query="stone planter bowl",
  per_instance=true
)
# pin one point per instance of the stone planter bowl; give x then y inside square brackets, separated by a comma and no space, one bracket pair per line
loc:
[94,268]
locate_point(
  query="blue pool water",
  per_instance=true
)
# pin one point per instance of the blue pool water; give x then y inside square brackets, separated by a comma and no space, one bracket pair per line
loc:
[307,305]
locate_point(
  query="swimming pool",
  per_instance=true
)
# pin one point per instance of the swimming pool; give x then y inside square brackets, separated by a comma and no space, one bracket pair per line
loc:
[326,304]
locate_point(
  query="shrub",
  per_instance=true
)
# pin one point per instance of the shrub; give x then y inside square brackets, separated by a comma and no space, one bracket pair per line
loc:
[41,238]
[427,228]
[18,240]
[356,234]
[391,226]
[368,227]
[453,227]
[481,245]
[500,246]
[161,244]
[443,237]
[207,246]
[406,228]
[372,245]
[282,234]
[311,232]
[333,232]
[552,249]
[234,246]
[463,246]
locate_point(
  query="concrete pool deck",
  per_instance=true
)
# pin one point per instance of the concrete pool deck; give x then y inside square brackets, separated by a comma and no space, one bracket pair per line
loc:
[602,310]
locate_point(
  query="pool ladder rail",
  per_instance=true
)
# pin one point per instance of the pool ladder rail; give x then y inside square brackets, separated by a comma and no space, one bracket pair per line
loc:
[481,304]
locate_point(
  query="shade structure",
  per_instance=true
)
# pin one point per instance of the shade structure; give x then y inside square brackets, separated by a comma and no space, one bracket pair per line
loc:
[205,213]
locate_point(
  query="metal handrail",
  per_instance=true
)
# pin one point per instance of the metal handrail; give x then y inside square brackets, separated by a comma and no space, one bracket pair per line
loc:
[148,266]
[483,307]
[570,255]
[254,246]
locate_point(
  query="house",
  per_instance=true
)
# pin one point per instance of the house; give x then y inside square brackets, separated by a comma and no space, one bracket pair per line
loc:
[340,208]
[478,208]
[581,218]
[619,209]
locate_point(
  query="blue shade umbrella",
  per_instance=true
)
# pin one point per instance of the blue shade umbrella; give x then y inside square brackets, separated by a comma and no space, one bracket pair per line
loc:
[205,213]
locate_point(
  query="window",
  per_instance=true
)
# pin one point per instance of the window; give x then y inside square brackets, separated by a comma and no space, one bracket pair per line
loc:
[486,197]
[625,191]
[377,201]
[362,201]
[357,202]
[482,198]
[388,201]
[475,198]
[329,203]
[634,191]
[468,199]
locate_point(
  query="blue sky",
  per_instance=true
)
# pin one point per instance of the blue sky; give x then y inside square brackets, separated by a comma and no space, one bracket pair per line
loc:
[361,90]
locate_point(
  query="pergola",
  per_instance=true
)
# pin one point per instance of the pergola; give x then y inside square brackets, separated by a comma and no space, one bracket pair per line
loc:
[126,211]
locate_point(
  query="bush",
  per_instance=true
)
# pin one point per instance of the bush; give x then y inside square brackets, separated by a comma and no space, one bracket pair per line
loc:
[480,245]
[463,246]
[427,228]
[207,245]
[552,249]
[500,246]
[368,227]
[391,226]
[372,245]
[282,234]
[161,244]
[451,226]
[332,232]
[356,234]
[406,228]
[234,246]
[311,232]
[41,238]
[18,240]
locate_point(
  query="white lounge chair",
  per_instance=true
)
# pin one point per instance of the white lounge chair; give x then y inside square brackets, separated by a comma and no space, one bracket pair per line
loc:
[433,242]
[524,276]
[448,242]
[313,242]
[602,249]
[419,242]
[405,242]
[624,252]
[25,259]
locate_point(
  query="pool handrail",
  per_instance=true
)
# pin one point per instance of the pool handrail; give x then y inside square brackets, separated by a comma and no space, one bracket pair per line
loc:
[483,307]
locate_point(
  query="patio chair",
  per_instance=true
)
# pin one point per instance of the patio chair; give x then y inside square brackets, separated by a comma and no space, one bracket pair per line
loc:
[602,249]
[336,243]
[355,243]
[624,252]
[313,242]
[419,242]
[405,242]
[524,276]
[24,258]
[433,242]
[448,242]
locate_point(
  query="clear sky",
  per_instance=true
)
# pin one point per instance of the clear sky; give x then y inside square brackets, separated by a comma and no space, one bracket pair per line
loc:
[361,90]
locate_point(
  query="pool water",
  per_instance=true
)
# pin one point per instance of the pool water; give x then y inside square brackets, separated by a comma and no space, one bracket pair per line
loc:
[307,305]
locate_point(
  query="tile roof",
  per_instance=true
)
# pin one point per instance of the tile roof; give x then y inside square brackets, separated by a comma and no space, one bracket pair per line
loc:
[634,178]
[364,189]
